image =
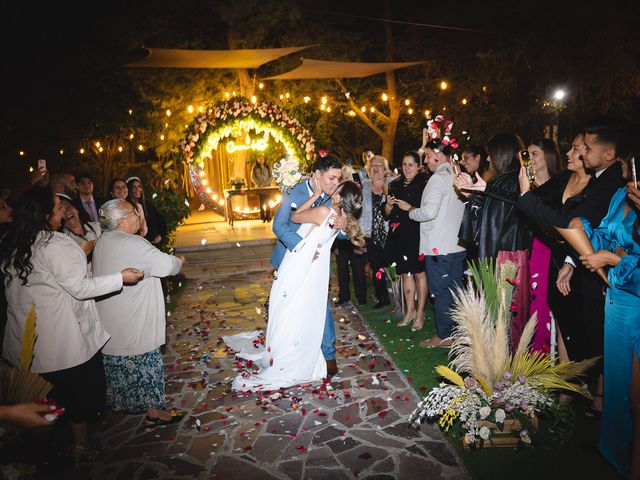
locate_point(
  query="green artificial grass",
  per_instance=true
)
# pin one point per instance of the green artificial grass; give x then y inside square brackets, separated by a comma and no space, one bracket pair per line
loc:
[577,458]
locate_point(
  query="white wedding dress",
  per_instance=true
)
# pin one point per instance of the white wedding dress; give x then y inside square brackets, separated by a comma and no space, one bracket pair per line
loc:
[297,311]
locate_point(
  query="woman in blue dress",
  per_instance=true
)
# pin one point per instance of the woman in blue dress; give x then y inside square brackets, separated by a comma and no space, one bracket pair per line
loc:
[617,245]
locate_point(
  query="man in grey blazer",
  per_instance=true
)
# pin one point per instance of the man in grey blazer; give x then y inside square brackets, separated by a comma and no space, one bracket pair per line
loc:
[328,171]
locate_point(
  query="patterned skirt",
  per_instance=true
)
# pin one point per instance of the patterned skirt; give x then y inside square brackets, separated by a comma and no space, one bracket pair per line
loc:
[135,383]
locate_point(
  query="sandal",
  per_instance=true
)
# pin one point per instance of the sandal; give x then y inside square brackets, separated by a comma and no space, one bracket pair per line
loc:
[406,320]
[82,454]
[160,422]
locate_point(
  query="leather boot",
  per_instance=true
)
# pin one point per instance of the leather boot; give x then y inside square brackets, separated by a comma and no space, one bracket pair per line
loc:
[332,368]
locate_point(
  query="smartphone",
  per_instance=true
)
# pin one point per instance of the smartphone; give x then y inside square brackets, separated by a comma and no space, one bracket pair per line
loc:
[633,172]
[455,163]
[525,161]
[42,164]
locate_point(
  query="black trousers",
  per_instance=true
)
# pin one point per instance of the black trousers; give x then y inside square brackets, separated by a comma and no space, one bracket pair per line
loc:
[375,255]
[81,389]
[347,254]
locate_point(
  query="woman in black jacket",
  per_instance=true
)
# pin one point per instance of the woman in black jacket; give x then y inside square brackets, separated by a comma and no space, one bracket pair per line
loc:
[494,225]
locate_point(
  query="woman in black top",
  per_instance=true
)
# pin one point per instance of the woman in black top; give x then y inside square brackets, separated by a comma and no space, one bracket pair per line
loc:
[403,239]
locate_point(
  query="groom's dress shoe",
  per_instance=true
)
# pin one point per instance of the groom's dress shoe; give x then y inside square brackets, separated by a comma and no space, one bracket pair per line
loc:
[332,368]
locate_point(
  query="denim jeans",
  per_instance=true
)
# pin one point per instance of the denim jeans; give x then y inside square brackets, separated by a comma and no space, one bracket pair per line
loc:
[444,274]
[329,336]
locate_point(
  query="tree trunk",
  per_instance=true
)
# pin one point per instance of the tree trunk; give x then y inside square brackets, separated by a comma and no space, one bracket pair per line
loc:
[247,88]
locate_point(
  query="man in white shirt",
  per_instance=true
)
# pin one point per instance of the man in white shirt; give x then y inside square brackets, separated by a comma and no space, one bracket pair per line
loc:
[440,214]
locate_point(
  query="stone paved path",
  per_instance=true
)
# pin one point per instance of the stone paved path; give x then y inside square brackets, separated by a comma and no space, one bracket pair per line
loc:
[353,427]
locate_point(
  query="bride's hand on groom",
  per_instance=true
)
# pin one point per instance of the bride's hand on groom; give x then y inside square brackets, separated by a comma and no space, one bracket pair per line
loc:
[339,221]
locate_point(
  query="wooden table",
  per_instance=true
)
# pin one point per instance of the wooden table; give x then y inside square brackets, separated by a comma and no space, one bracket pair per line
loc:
[230,214]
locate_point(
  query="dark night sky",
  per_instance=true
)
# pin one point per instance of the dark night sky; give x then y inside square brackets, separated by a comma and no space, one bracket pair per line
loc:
[54,53]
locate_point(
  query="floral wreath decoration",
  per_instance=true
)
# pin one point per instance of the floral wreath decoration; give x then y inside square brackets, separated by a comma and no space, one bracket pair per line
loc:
[439,128]
[230,119]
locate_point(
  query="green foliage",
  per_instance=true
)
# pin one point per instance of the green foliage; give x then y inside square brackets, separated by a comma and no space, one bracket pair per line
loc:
[174,209]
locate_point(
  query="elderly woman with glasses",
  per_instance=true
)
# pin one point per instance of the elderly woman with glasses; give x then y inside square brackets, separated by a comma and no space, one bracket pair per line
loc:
[373,222]
[135,317]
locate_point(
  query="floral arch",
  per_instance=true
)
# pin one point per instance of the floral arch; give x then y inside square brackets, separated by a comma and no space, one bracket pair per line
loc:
[234,119]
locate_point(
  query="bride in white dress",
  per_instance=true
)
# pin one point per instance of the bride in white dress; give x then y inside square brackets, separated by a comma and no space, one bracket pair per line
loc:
[291,354]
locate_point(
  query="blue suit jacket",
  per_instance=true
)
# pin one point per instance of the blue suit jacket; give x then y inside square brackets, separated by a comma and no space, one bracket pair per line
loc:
[284,229]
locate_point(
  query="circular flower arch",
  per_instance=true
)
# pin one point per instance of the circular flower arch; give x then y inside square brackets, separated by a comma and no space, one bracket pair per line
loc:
[231,119]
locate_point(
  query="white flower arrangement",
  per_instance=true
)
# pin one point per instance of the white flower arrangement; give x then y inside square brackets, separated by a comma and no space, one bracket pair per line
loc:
[287,173]
[498,386]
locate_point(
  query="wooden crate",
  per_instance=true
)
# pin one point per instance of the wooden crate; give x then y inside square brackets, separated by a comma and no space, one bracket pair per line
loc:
[508,437]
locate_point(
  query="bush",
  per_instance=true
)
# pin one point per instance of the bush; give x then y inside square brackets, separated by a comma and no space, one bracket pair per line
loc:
[173,207]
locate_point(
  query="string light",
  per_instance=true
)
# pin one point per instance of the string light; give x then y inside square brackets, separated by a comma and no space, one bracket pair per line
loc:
[30,169]
[226,94]
[484,88]
[131,136]
[261,85]
[464,101]
[97,144]
[233,93]
[130,112]
[100,149]
[352,113]
[140,147]
[410,111]
[168,112]
[281,97]
[120,149]
[287,95]
[323,107]
[363,109]
[254,99]
[82,151]
[407,102]
[324,100]
[328,109]
[62,151]
[385,97]
[307,99]
[21,153]
[372,109]
[427,113]
[162,136]
[190,109]
[200,108]
[444,85]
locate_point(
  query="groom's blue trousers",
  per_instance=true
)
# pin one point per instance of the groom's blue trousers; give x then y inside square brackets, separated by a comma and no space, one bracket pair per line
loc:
[329,336]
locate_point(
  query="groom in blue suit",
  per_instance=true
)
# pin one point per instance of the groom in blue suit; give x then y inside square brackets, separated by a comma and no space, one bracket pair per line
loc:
[328,172]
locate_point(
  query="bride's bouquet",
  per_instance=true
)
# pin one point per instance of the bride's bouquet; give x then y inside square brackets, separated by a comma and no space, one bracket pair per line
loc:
[287,173]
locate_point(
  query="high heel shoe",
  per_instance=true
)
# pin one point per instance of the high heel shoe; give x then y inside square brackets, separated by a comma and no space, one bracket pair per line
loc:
[407,320]
[418,324]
